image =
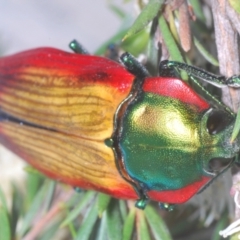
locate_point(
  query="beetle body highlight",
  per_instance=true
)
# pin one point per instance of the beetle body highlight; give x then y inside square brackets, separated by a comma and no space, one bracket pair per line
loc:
[86,121]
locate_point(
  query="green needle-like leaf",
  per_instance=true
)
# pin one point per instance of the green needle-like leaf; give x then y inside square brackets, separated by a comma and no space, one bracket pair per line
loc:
[37,202]
[17,207]
[33,182]
[3,201]
[153,54]
[170,41]
[197,7]
[103,201]
[123,209]
[221,224]
[87,226]
[115,39]
[5,228]
[235,4]
[236,128]
[146,16]
[144,231]
[173,27]
[128,226]
[114,224]
[50,231]
[88,196]
[102,231]
[137,43]
[205,53]
[159,228]
[49,195]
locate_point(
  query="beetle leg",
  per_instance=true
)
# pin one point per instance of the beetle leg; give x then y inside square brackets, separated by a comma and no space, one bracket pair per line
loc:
[233,81]
[218,81]
[78,48]
[167,206]
[141,203]
[77,189]
[133,66]
[172,69]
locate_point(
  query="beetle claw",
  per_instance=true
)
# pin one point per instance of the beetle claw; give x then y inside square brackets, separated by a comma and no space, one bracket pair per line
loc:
[77,189]
[141,203]
[167,206]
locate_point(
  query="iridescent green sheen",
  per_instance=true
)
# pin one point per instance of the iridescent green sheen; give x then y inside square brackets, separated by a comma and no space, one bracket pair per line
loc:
[165,143]
[141,204]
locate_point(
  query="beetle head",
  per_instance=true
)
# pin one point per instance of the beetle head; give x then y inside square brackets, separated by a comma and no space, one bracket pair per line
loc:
[216,131]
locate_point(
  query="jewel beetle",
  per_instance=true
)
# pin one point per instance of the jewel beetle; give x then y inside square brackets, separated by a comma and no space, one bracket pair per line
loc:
[92,123]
